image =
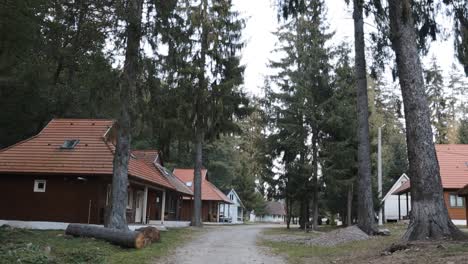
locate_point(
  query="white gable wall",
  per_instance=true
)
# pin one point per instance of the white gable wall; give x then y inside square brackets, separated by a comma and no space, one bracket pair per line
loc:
[391,201]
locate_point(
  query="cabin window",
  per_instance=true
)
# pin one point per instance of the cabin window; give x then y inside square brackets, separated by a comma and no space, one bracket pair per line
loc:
[39,185]
[130,199]
[456,201]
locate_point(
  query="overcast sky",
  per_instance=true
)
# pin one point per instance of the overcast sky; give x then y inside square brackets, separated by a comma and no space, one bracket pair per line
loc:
[261,19]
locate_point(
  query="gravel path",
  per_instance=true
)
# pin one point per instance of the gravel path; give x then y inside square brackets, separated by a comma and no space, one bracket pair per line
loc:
[225,245]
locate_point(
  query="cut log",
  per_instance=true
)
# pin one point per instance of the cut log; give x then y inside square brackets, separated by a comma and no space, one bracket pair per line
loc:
[124,238]
[150,233]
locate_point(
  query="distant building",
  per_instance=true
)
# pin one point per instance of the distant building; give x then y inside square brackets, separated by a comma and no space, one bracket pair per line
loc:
[274,213]
[232,213]
[396,207]
[212,197]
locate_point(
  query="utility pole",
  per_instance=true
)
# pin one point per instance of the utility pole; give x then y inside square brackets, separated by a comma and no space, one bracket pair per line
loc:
[379,174]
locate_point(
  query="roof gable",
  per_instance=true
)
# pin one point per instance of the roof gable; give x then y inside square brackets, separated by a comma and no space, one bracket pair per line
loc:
[398,183]
[209,191]
[236,197]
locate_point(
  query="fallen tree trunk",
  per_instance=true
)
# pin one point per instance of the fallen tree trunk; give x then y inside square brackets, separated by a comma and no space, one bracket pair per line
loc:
[130,239]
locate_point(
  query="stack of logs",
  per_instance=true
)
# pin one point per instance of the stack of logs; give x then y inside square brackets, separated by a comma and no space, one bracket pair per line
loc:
[139,238]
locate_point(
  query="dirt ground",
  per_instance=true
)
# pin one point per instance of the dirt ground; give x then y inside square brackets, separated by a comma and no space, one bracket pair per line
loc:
[297,249]
[225,245]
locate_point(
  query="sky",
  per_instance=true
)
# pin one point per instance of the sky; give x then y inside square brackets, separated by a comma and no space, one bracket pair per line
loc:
[262,21]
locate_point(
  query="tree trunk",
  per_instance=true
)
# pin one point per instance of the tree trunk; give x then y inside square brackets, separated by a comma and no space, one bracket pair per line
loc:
[301,215]
[125,238]
[197,178]
[315,179]
[127,90]
[429,217]
[349,206]
[198,124]
[365,202]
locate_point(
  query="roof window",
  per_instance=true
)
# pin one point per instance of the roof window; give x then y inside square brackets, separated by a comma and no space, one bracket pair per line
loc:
[70,143]
[189,184]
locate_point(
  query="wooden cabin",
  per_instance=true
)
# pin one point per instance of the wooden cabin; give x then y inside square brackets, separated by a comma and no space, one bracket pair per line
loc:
[212,197]
[64,174]
[453,163]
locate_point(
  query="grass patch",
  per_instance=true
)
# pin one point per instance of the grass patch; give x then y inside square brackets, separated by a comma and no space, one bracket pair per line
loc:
[353,252]
[39,246]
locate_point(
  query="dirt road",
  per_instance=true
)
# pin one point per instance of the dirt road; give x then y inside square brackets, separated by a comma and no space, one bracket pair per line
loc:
[225,245]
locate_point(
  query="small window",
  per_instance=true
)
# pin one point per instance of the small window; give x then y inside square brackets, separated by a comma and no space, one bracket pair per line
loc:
[70,144]
[456,201]
[39,185]
[189,184]
[231,196]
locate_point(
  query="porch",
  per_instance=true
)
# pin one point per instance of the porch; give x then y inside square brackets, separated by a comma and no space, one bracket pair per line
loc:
[147,204]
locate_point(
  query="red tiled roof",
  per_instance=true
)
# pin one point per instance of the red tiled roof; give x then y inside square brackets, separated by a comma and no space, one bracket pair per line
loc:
[274,208]
[92,155]
[453,163]
[209,190]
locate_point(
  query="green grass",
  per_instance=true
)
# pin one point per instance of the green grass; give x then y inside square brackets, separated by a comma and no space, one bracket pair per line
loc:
[34,246]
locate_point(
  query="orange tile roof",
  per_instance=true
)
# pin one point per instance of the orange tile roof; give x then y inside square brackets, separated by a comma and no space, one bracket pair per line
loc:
[209,191]
[453,163]
[92,155]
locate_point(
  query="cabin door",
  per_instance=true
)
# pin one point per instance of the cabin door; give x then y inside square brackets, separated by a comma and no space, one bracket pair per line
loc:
[139,207]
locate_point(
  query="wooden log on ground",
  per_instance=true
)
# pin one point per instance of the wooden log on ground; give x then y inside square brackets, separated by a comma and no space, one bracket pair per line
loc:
[125,238]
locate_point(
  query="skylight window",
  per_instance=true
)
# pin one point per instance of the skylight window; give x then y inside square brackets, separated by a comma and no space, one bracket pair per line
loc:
[70,143]
[189,184]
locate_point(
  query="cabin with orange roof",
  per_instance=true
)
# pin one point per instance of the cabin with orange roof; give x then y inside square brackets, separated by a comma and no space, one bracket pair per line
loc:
[453,163]
[212,197]
[64,174]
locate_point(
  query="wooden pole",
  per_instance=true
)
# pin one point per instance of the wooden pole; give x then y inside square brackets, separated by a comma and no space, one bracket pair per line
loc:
[399,208]
[466,210]
[89,211]
[145,205]
[407,205]
[163,207]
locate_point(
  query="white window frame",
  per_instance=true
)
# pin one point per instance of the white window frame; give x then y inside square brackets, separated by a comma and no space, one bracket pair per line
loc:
[456,205]
[36,185]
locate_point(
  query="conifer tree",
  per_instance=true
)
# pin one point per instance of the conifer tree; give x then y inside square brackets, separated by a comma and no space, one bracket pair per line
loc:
[213,97]
[297,107]
[438,102]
